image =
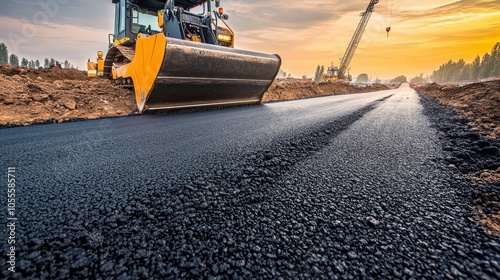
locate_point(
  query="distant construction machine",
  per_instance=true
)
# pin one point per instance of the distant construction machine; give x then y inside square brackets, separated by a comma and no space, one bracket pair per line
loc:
[334,73]
[176,58]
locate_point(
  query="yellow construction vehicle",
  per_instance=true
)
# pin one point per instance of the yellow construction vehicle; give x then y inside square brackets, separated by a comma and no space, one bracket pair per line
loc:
[336,74]
[174,57]
[96,68]
[332,75]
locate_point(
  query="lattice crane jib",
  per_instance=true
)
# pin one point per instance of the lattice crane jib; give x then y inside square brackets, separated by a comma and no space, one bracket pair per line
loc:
[351,48]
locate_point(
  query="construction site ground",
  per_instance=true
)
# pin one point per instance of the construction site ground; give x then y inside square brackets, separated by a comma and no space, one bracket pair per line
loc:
[471,142]
[55,95]
[29,96]
[478,102]
[465,117]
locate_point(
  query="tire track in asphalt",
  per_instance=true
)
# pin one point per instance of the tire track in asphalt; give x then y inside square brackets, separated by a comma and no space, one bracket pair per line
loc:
[165,214]
[247,181]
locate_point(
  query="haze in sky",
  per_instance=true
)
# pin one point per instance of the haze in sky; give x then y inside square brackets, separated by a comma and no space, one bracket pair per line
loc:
[424,34]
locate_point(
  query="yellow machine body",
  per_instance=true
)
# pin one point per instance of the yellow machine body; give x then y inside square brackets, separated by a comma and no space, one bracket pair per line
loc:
[188,61]
[170,73]
[96,68]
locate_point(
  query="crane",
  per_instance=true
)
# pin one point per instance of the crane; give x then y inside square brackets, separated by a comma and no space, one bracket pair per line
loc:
[339,73]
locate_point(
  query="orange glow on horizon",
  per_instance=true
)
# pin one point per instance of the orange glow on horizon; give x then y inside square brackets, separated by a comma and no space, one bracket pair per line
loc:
[305,33]
[423,36]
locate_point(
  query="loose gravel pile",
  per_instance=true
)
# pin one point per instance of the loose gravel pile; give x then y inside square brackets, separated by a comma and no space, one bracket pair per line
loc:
[473,155]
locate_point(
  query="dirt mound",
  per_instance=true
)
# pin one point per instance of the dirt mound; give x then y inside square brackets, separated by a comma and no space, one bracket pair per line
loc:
[289,89]
[42,95]
[473,155]
[479,102]
[44,74]
[30,96]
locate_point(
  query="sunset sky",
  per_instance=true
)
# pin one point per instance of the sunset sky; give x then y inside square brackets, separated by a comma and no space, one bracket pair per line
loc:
[305,33]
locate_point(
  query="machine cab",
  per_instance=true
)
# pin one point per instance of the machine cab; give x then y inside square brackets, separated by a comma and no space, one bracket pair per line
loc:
[175,18]
[134,17]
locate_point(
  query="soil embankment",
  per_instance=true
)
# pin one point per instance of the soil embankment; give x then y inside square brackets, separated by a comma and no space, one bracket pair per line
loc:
[51,95]
[479,102]
[470,135]
[55,95]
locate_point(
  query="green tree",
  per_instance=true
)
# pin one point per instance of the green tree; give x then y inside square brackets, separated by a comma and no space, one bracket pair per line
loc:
[399,79]
[24,62]
[46,63]
[37,63]
[67,64]
[316,75]
[495,54]
[481,67]
[418,79]
[462,71]
[362,78]
[14,60]
[486,66]
[4,54]
[280,73]
[475,68]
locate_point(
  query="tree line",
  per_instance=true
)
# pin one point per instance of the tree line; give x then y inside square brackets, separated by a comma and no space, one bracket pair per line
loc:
[318,75]
[459,71]
[283,74]
[14,60]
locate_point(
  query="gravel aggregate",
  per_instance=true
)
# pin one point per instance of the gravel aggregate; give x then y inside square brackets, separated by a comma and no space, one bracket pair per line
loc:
[468,151]
[360,190]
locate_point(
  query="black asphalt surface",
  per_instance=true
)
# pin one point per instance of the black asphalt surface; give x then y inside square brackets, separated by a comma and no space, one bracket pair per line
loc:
[348,187]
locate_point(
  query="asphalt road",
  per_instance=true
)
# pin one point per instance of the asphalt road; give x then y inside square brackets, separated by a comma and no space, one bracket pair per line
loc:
[346,186]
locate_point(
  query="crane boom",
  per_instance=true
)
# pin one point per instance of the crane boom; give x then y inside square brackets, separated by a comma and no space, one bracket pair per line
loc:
[349,53]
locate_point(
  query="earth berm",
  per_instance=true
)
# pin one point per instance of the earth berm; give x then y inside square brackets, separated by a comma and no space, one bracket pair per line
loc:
[55,95]
[468,121]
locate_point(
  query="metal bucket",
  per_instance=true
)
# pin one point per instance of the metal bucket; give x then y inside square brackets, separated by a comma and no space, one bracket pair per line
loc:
[195,75]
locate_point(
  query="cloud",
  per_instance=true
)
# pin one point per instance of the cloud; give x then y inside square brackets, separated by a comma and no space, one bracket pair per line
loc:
[457,11]
[281,26]
[277,15]
[52,40]
[304,32]
[89,13]
[288,26]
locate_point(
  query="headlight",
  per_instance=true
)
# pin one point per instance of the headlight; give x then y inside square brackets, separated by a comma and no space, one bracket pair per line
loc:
[224,37]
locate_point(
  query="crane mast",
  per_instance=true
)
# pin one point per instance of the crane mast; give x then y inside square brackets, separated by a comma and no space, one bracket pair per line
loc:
[349,53]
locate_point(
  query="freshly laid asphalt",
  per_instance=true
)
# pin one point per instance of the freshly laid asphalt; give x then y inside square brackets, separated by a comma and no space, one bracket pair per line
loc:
[349,186]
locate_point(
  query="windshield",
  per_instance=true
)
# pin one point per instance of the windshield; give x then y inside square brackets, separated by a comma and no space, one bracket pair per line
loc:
[143,20]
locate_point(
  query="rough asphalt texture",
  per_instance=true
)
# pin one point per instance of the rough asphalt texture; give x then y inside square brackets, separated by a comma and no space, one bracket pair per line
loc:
[353,186]
[469,151]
